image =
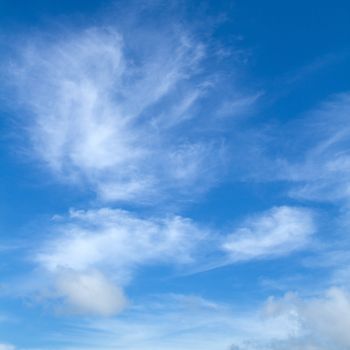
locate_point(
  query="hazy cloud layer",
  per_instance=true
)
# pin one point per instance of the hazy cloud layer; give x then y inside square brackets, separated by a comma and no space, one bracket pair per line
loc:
[174,321]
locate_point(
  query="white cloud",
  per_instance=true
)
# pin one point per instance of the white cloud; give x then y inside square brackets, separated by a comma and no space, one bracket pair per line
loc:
[278,231]
[115,242]
[101,110]
[315,162]
[118,239]
[89,293]
[321,323]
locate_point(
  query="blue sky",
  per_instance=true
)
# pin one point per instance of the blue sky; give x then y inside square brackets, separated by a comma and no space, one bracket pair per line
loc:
[174,175]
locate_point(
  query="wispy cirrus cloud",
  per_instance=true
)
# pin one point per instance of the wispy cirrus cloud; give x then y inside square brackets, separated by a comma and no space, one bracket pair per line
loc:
[171,322]
[324,173]
[279,231]
[119,239]
[106,112]
[271,234]
[312,155]
[94,254]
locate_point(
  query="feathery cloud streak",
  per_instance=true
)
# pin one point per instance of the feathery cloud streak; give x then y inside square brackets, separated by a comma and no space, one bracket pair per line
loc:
[105,112]
[278,231]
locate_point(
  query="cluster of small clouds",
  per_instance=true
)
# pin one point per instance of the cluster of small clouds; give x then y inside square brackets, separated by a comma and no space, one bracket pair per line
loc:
[94,253]
[110,114]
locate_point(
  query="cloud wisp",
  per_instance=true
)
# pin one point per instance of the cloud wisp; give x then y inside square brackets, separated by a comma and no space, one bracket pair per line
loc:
[118,239]
[325,171]
[106,112]
[311,156]
[279,231]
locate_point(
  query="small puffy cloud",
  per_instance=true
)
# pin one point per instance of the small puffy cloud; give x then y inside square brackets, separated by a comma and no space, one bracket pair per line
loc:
[278,231]
[89,293]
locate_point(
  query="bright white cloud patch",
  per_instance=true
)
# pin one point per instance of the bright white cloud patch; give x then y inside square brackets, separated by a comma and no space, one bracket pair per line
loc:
[278,231]
[89,293]
[105,111]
